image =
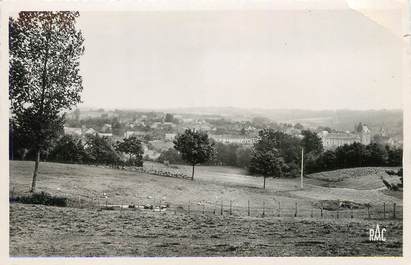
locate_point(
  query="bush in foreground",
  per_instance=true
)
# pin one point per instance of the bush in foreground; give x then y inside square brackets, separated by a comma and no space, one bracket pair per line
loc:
[42,198]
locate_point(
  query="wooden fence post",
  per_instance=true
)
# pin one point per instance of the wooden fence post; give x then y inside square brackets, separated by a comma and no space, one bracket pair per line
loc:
[368,210]
[296,209]
[12,194]
[321,209]
[215,208]
[248,207]
[231,211]
[203,208]
[338,213]
[393,213]
[263,208]
[189,204]
[279,209]
[384,210]
[352,213]
[221,210]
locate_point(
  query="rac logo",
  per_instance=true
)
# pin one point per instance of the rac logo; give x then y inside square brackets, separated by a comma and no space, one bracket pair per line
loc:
[377,234]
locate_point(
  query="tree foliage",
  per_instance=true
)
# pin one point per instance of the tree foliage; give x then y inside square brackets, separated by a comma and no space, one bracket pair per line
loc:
[69,149]
[225,154]
[355,155]
[311,142]
[195,147]
[243,155]
[101,150]
[287,146]
[171,156]
[266,158]
[133,147]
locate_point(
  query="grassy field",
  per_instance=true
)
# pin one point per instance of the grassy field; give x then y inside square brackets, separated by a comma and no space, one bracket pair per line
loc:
[211,184]
[52,231]
[88,232]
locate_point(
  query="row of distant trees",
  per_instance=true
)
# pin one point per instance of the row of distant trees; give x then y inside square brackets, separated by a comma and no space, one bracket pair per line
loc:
[234,155]
[354,155]
[93,149]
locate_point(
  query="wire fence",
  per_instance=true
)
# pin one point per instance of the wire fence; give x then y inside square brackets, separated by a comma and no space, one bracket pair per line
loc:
[262,209]
[387,210]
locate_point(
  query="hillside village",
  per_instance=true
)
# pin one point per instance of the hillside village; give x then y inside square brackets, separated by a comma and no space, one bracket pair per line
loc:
[157,130]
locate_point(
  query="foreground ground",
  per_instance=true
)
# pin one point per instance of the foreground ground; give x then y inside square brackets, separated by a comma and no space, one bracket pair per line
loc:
[51,231]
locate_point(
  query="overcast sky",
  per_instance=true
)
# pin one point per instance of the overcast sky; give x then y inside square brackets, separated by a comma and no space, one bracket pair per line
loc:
[306,59]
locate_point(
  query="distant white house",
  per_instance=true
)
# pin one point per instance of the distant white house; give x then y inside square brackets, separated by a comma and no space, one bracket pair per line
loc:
[333,140]
[187,120]
[90,131]
[170,124]
[232,139]
[155,125]
[128,134]
[106,128]
[72,131]
[170,136]
[105,134]
[202,127]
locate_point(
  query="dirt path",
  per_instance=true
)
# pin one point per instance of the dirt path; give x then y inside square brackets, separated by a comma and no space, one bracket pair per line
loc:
[52,231]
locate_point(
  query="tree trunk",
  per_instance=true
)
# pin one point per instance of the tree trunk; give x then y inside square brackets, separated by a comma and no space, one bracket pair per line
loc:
[264,181]
[36,169]
[192,175]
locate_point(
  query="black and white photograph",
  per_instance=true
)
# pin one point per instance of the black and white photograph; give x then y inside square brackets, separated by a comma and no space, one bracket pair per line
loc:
[255,129]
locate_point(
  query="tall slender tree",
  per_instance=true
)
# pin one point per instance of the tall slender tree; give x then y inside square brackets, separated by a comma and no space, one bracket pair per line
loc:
[44,80]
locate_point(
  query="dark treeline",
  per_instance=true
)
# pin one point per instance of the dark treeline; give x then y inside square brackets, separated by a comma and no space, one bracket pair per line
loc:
[92,149]
[234,155]
[354,155]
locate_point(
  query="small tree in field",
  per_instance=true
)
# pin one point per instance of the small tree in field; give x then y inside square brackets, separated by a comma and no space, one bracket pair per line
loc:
[44,79]
[267,163]
[195,147]
[266,159]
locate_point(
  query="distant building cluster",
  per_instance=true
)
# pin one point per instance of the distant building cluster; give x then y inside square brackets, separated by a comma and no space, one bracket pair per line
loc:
[361,134]
[232,139]
[106,131]
[157,130]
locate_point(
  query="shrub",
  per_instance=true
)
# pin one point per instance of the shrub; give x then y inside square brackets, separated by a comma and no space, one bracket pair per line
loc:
[68,149]
[42,198]
[171,155]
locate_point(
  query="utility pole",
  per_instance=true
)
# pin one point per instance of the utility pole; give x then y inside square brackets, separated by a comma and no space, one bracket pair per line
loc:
[302,168]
